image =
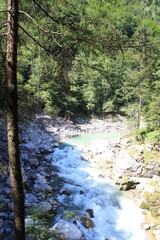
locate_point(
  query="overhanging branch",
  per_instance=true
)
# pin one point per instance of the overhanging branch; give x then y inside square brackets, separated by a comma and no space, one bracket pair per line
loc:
[38,43]
[35,23]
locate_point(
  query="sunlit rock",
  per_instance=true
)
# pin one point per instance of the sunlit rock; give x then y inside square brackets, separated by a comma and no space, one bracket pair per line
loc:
[87,222]
[67,231]
[128,184]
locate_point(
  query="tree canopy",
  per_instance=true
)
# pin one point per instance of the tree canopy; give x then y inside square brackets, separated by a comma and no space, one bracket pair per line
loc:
[87,57]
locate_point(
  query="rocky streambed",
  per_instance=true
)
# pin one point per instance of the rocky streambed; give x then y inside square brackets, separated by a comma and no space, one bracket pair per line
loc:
[43,184]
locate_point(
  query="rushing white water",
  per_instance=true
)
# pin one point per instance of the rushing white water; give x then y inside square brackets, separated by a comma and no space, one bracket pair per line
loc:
[116,217]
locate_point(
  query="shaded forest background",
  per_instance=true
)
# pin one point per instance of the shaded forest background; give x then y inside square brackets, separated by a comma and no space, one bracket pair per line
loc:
[88,57]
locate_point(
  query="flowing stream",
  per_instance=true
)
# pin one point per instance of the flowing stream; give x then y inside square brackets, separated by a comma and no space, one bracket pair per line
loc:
[116,217]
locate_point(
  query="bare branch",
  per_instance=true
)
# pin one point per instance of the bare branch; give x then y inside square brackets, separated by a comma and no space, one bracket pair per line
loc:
[44,30]
[38,43]
[54,40]
[4,11]
[56,20]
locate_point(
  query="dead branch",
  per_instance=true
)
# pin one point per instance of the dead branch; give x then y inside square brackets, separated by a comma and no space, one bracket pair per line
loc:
[38,43]
[35,23]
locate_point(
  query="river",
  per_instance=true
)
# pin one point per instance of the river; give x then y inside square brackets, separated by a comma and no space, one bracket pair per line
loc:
[116,216]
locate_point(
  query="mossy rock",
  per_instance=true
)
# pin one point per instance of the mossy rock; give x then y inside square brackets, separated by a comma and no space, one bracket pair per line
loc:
[151,202]
[128,185]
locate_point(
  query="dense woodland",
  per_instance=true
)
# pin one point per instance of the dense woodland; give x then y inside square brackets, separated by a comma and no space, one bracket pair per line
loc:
[87,57]
[77,57]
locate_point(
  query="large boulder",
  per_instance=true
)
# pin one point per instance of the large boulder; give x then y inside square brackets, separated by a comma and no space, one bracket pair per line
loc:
[125,164]
[67,231]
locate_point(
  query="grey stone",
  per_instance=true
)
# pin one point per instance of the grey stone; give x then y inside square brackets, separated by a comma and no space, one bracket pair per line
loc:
[2,197]
[67,231]
[40,179]
[3,215]
[33,162]
[30,200]
[48,158]
[30,146]
[87,222]
[8,182]
[3,205]
[11,216]
[7,191]
[45,206]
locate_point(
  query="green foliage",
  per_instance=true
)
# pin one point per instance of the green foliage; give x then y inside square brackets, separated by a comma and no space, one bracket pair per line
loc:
[108,107]
[103,57]
[151,201]
[37,227]
[68,215]
[147,134]
[151,156]
[131,110]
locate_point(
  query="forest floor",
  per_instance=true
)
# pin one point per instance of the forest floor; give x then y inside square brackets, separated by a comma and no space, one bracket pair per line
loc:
[38,137]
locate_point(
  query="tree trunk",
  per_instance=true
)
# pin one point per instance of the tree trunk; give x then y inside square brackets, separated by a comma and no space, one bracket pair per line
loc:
[139,106]
[140,89]
[12,120]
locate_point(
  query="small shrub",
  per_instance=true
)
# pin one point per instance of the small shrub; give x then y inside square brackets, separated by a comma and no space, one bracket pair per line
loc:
[69,215]
[37,228]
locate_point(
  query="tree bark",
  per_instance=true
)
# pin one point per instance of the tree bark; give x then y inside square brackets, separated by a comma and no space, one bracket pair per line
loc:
[12,121]
[140,89]
[139,106]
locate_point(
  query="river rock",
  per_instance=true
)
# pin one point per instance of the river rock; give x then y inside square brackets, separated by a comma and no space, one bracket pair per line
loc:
[33,162]
[125,164]
[55,204]
[128,184]
[45,207]
[3,205]
[40,179]
[24,176]
[67,231]
[30,200]
[48,158]
[87,222]
[30,146]
[90,211]
[42,187]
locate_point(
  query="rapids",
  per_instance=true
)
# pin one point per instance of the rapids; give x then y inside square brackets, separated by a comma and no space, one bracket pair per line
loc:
[116,217]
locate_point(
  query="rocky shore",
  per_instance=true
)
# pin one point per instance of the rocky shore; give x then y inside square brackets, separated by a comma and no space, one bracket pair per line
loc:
[122,159]
[134,167]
